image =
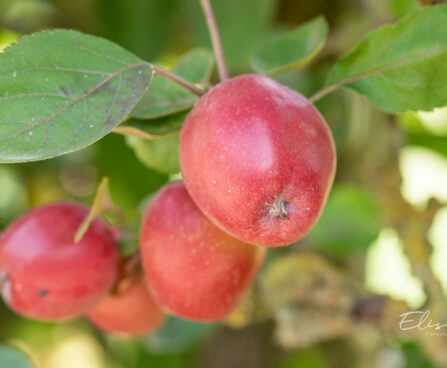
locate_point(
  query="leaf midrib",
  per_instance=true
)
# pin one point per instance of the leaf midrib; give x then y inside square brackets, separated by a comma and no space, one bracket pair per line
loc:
[385,68]
[74,101]
[56,68]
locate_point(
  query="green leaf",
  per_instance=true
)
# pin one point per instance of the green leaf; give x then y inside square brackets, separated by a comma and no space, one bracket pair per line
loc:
[13,358]
[166,97]
[130,23]
[244,25]
[349,223]
[177,335]
[13,195]
[309,358]
[159,154]
[62,90]
[430,141]
[400,67]
[292,50]
[160,126]
[129,180]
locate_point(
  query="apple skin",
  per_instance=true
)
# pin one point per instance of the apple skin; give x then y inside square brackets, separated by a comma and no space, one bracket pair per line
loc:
[193,269]
[132,313]
[46,275]
[258,159]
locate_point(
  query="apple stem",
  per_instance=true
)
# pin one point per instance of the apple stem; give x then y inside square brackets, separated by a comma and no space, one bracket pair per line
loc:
[329,89]
[130,270]
[317,96]
[135,132]
[177,80]
[215,39]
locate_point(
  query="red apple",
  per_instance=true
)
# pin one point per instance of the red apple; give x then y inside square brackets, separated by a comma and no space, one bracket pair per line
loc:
[258,159]
[193,269]
[132,313]
[46,275]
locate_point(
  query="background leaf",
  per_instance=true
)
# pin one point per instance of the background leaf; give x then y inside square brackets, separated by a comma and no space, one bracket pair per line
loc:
[349,223]
[165,97]
[13,358]
[159,154]
[63,90]
[160,126]
[132,24]
[309,358]
[433,142]
[130,181]
[13,195]
[7,37]
[292,50]
[243,25]
[400,67]
[195,66]
[177,335]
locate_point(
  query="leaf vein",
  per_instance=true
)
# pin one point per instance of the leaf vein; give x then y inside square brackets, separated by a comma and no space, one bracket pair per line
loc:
[35,95]
[93,52]
[388,67]
[99,85]
[77,132]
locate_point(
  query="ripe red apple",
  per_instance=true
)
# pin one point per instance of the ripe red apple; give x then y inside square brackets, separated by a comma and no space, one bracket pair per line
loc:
[132,313]
[193,269]
[46,275]
[258,159]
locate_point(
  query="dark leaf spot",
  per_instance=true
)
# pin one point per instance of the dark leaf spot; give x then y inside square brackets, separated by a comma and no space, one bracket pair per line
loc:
[64,91]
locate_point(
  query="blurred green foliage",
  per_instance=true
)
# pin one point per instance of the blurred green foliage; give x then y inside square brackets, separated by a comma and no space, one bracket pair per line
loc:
[349,223]
[293,50]
[160,154]
[13,195]
[414,356]
[177,335]
[12,358]
[165,97]
[130,180]
[309,358]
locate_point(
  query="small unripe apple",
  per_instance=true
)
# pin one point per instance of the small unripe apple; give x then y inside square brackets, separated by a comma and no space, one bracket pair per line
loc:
[193,269]
[132,313]
[258,159]
[45,274]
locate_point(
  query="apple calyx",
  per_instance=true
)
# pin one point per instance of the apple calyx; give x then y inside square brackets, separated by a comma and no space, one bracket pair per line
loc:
[278,209]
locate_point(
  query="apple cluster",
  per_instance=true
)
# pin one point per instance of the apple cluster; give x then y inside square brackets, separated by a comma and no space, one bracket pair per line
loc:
[257,160]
